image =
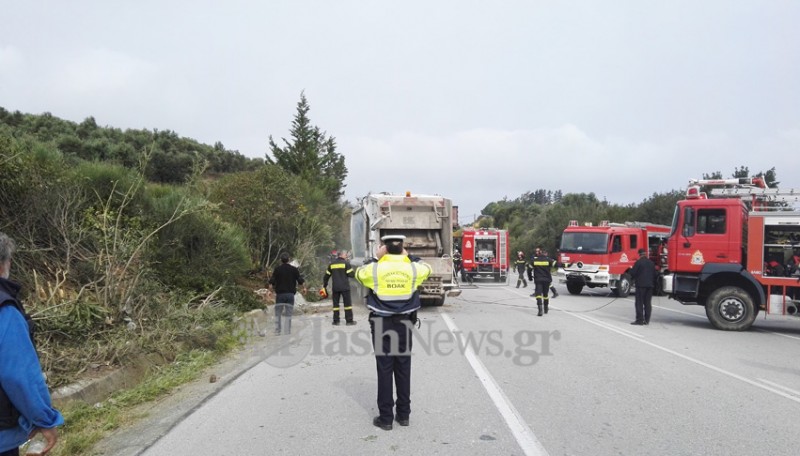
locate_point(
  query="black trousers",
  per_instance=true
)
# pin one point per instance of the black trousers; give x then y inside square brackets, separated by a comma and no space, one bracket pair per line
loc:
[348,305]
[644,297]
[391,340]
[14,452]
[540,291]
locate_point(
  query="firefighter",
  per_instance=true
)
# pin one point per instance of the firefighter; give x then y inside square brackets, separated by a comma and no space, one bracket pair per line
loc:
[555,264]
[522,266]
[457,260]
[339,270]
[539,273]
[393,279]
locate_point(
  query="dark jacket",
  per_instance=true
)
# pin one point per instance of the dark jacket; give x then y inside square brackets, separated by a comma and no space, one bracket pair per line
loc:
[338,271]
[540,269]
[644,273]
[521,265]
[285,278]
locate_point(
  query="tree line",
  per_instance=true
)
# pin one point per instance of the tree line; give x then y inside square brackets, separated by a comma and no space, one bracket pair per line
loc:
[136,241]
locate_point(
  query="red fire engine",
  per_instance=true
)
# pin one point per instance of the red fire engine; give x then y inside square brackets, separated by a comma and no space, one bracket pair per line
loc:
[735,254]
[484,254]
[602,256]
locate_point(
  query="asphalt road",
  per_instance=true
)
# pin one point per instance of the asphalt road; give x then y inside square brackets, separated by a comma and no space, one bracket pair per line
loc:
[490,377]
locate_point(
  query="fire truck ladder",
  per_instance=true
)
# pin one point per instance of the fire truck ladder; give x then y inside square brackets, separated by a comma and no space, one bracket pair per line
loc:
[766,194]
[503,252]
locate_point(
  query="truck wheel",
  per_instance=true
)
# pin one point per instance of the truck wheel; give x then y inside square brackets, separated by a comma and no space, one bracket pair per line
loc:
[574,288]
[730,309]
[437,302]
[623,286]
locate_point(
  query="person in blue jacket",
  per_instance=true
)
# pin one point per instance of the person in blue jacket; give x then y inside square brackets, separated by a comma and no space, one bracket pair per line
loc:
[25,407]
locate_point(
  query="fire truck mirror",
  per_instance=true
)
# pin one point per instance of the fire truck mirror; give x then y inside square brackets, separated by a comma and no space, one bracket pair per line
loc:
[688,221]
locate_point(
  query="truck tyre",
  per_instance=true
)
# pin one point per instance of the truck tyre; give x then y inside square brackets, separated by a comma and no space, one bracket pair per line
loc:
[437,302]
[574,288]
[623,286]
[730,309]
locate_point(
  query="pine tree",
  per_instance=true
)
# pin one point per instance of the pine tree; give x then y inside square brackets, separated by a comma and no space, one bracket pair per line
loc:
[310,154]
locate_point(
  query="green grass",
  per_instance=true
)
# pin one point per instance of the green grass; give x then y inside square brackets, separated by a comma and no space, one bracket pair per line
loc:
[86,424]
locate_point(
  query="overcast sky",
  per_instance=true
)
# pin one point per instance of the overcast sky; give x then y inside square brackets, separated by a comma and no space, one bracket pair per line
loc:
[474,100]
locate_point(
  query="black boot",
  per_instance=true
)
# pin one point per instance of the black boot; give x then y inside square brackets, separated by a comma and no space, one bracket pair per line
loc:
[540,310]
[545,306]
[517,283]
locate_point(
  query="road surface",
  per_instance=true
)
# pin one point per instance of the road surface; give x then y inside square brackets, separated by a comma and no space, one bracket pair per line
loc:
[489,377]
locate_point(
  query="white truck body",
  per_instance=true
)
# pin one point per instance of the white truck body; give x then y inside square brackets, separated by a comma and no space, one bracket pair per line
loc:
[425,221]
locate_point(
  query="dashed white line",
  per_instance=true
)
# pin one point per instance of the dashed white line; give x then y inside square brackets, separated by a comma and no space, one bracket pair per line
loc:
[524,435]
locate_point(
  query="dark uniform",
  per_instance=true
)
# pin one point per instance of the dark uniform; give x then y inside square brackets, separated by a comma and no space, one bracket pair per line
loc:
[457,261]
[644,275]
[393,300]
[339,271]
[521,266]
[539,272]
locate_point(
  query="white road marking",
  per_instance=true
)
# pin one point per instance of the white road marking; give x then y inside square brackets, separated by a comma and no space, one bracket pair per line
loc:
[704,318]
[781,387]
[524,435]
[762,386]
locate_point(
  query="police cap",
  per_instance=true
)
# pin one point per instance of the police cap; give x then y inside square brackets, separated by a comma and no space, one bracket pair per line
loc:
[393,237]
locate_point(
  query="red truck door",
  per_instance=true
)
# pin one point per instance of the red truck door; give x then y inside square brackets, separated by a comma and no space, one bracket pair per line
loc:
[705,233]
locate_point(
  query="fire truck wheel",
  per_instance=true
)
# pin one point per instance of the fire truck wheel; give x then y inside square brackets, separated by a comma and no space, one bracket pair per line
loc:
[574,288]
[623,286]
[730,309]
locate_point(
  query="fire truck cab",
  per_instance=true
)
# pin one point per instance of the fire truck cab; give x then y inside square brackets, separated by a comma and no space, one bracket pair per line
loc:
[602,256]
[736,254]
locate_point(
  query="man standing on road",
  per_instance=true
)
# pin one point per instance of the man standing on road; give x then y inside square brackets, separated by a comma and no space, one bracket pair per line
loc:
[393,299]
[542,278]
[644,275]
[283,282]
[521,265]
[25,407]
[339,271]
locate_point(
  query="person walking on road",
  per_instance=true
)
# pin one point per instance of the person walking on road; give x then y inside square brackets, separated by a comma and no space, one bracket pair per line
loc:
[521,266]
[25,406]
[283,282]
[539,273]
[393,279]
[339,271]
[644,276]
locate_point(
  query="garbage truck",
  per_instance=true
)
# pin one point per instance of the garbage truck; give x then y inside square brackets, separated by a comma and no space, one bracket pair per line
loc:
[425,221]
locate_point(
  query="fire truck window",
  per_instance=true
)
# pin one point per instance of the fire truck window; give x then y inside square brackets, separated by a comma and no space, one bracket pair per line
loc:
[616,244]
[634,242]
[711,221]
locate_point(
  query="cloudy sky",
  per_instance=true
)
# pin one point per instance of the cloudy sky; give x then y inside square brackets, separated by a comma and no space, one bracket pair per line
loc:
[474,100]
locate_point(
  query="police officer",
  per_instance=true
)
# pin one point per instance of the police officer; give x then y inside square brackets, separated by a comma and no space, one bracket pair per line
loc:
[521,265]
[644,275]
[539,273]
[339,271]
[393,299]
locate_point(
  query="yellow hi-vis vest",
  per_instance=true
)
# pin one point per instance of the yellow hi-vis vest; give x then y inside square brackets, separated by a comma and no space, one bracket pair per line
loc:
[394,280]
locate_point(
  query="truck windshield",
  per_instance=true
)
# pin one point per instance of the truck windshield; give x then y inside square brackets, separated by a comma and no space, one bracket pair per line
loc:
[674,228]
[577,242]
